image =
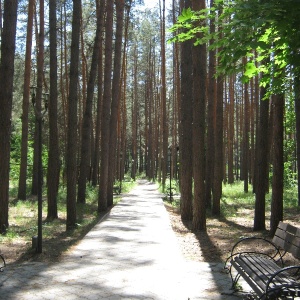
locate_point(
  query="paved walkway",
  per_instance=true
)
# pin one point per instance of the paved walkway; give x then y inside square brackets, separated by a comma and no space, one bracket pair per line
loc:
[132,254]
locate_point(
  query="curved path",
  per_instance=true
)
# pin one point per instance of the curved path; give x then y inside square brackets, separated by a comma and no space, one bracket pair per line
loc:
[131,254]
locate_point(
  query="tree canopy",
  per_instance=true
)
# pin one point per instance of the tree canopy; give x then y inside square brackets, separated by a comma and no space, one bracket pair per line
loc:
[266,32]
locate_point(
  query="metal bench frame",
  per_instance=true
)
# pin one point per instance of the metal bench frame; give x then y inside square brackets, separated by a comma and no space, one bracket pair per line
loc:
[265,272]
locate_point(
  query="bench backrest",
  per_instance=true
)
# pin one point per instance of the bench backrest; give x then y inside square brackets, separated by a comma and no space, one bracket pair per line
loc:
[287,237]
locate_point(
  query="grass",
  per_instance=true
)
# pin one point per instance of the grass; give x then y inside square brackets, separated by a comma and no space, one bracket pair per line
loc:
[23,216]
[171,191]
[234,199]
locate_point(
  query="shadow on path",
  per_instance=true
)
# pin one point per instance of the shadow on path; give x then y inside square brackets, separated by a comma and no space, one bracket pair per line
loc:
[132,254]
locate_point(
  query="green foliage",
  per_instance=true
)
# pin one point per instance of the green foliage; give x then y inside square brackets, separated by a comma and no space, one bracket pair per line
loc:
[127,184]
[235,201]
[262,31]
[186,15]
[234,198]
[290,176]
[15,154]
[172,187]
[171,192]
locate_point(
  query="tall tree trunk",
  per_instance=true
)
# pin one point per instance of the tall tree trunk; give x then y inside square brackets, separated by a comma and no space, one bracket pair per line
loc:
[176,89]
[257,113]
[87,118]
[218,144]
[245,161]
[164,97]
[123,124]
[199,98]
[231,130]
[297,112]
[102,199]
[25,107]
[186,163]
[148,117]
[218,152]
[116,87]
[64,81]
[237,141]
[261,169]
[252,131]
[38,104]
[8,39]
[53,156]
[211,96]
[277,159]
[95,165]
[134,116]
[71,155]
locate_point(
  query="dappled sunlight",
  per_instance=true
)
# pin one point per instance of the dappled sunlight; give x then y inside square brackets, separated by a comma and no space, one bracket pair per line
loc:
[131,253]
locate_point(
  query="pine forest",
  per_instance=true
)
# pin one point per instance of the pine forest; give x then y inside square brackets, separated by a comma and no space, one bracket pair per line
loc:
[196,95]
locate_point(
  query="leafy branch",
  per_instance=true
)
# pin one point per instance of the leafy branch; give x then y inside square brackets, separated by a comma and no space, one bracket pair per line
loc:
[262,31]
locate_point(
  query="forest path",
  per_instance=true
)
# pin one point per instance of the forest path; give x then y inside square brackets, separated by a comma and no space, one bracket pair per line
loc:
[131,254]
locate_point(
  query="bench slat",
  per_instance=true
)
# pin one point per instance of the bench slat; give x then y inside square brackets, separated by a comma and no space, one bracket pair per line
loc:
[270,267]
[287,237]
[259,267]
[244,270]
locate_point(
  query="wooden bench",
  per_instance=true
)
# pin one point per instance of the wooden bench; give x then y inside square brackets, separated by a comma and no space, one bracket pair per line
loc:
[263,268]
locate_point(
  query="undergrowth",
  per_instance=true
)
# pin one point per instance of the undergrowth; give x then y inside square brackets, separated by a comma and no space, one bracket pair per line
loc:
[234,198]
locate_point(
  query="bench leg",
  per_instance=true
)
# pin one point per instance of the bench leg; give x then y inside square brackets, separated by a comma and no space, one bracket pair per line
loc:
[234,279]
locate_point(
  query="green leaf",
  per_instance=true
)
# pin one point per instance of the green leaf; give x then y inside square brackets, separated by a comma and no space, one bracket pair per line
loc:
[186,15]
[250,69]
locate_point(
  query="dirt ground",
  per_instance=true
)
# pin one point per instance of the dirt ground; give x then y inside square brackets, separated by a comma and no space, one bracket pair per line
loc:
[216,243]
[211,246]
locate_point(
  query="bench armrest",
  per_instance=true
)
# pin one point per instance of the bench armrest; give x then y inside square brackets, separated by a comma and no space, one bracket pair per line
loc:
[274,251]
[293,271]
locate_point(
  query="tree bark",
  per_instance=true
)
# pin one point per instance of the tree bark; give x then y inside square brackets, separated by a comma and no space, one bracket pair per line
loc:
[25,107]
[102,198]
[53,156]
[297,112]
[38,105]
[231,130]
[218,144]
[96,157]
[199,98]
[277,159]
[116,87]
[71,155]
[211,96]
[164,97]
[245,162]
[8,40]
[218,152]
[261,163]
[87,118]
[186,163]
[134,113]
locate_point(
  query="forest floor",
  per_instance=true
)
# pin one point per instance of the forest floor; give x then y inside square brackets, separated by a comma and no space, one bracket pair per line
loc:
[222,233]
[214,245]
